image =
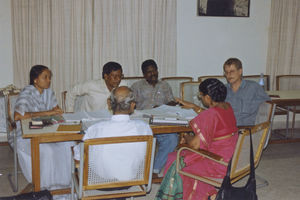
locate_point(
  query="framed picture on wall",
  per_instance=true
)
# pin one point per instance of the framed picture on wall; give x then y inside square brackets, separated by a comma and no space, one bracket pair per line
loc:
[223,8]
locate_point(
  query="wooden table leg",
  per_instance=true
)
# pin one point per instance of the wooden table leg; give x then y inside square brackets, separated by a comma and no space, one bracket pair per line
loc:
[35,163]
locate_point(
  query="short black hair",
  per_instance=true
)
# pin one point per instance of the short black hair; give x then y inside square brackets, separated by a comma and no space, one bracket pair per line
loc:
[109,67]
[35,71]
[213,88]
[148,63]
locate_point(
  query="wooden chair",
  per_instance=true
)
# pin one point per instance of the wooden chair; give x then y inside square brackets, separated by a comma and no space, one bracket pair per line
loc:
[63,101]
[256,78]
[131,79]
[240,166]
[10,100]
[288,82]
[190,91]
[87,183]
[265,113]
[175,82]
[219,77]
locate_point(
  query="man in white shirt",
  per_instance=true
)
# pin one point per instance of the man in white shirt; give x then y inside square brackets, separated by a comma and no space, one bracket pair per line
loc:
[113,162]
[94,93]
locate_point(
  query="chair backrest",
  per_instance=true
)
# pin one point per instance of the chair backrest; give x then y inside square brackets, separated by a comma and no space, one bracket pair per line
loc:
[256,78]
[265,112]
[10,101]
[131,79]
[219,77]
[91,168]
[287,82]
[175,82]
[63,100]
[77,104]
[190,91]
[241,158]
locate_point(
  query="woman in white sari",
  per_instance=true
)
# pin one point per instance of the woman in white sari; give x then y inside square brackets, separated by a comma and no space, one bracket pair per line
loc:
[37,99]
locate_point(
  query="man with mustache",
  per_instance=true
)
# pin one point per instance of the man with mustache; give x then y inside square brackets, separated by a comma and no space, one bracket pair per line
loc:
[96,92]
[245,96]
[150,93]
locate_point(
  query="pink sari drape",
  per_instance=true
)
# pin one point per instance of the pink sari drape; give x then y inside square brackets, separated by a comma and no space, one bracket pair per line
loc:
[208,125]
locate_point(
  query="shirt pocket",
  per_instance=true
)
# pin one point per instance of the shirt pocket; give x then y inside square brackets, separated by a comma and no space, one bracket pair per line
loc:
[248,107]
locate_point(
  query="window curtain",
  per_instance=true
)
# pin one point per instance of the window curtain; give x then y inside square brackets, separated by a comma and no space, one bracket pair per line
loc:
[284,41]
[76,38]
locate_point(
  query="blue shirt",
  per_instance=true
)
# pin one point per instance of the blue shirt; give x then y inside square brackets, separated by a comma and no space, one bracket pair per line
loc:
[245,101]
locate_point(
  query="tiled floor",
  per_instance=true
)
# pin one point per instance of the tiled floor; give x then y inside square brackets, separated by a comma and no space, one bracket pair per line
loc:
[279,165]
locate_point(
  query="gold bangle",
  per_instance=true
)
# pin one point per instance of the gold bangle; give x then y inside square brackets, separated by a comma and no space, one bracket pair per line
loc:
[199,110]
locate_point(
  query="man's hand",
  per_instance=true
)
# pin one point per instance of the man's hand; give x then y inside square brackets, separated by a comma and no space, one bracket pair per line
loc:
[172,103]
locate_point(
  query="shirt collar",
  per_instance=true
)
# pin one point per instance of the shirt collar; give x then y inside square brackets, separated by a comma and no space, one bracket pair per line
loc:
[120,117]
[35,91]
[243,84]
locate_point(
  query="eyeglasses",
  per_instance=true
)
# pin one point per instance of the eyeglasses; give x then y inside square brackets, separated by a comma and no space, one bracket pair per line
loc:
[230,72]
[200,96]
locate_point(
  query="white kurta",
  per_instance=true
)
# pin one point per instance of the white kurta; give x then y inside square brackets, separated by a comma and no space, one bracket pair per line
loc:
[117,161]
[95,94]
[54,157]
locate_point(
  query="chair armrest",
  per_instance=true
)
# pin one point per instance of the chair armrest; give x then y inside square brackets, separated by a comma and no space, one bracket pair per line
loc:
[76,162]
[204,153]
[12,124]
[245,127]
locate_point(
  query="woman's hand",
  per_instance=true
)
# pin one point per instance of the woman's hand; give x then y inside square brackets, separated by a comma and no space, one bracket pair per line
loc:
[57,110]
[189,105]
[185,104]
[194,143]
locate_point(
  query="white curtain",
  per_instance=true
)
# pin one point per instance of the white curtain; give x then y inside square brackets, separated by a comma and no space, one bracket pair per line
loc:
[76,38]
[284,39]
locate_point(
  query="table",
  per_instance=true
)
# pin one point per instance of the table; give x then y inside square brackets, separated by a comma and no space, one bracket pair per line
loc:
[285,98]
[49,134]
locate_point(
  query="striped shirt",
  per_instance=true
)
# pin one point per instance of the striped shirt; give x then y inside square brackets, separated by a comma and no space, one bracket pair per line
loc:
[30,100]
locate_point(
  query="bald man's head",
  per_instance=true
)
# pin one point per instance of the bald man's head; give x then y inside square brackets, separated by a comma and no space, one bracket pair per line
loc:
[122,100]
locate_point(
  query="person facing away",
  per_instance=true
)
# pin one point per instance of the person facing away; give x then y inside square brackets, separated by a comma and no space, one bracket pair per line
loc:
[245,96]
[122,160]
[215,131]
[35,100]
[149,93]
[96,92]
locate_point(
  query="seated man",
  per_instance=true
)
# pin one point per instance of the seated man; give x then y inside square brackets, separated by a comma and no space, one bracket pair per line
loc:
[245,96]
[122,104]
[96,92]
[150,93]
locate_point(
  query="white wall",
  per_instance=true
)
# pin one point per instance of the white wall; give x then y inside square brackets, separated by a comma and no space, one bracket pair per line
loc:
[204,43]
[6,65]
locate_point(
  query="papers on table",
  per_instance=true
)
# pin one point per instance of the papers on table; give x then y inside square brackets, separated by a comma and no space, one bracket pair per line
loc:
[166,115]
[161,115]
[78,117]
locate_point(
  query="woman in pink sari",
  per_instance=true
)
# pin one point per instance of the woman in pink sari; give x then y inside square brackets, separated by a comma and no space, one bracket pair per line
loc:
[215,130]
